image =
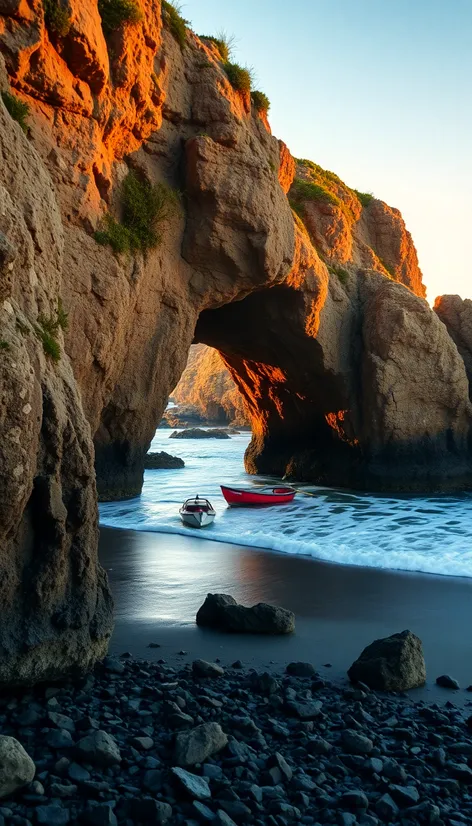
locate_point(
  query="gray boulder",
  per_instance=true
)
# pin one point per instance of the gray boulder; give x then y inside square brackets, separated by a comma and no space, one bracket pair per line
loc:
[222,612]
[16,766]
[196,745]
[394,663]
[162,461]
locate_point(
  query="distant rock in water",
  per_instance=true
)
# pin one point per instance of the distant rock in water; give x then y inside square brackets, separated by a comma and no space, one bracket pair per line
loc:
[199,433]
[162,461]
[221,611]
[394,663]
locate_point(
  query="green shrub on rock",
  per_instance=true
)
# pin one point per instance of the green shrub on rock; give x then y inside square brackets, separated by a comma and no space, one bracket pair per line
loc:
[302,190]
[48,328]
[364,197]
[56,17]
[260,101]
[173,20]
[17,109]
[145,208]
[223,43]
[116,12]
[240,77]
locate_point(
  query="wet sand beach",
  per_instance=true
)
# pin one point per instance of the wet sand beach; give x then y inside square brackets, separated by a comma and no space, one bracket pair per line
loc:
[160,580]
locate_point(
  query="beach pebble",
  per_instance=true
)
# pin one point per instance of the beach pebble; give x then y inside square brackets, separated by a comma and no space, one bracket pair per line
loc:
[52,816]
[101,815]
[197,787]
[150,811]
[196,745]
[354,800]
[202,668]
[387,808]
[356,743]
[113,665]
[164,746]
[301,669]
[98,748]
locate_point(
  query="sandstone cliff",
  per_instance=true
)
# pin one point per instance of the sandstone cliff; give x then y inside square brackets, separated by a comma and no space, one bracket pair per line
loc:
[55,603]
[314,301]
[206,384]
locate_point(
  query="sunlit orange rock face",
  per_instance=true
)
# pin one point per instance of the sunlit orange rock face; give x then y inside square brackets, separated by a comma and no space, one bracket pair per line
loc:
[207,386]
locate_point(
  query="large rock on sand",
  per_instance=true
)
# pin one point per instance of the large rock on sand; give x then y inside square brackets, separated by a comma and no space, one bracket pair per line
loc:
[221,611]
[394,663]
[16,766]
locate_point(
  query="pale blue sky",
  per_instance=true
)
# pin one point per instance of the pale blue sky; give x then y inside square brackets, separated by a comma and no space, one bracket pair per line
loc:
[378,91]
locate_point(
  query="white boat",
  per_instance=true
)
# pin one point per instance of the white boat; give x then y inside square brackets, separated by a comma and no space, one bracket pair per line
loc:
[197,512]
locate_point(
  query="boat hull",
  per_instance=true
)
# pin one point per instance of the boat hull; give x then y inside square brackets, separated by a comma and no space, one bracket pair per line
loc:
[267,496]
[197,520]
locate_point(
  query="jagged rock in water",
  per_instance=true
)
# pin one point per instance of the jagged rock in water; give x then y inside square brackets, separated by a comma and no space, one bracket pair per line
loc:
[162,461]
[199,433]
[221,611]
[394,663]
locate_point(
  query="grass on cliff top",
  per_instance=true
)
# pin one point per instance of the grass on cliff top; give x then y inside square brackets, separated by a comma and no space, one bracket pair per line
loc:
[223,42]
[116,12]
[240,77]
[323,173]
[302,190]
[145,208]
[260,101]
[364,197]
[47,330]
[17,109]
[326,177]
[173,20]
[56,17]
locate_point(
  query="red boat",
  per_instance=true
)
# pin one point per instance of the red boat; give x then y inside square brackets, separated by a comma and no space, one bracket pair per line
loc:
[278,495]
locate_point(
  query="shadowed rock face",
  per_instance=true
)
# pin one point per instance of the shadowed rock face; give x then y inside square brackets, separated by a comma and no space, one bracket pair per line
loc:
[456,313]
[348,376]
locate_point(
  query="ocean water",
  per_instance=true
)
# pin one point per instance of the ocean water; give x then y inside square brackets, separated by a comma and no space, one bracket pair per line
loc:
[432,534]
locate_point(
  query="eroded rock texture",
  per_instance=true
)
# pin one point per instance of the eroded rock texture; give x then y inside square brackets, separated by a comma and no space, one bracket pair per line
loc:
[348,376]
[54,598]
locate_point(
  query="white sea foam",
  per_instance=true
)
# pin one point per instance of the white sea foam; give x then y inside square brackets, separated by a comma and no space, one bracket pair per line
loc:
[431,534]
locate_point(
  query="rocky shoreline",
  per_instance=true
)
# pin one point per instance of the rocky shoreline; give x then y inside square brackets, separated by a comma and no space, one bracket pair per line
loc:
[140,742]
